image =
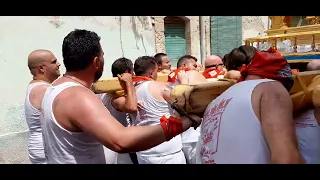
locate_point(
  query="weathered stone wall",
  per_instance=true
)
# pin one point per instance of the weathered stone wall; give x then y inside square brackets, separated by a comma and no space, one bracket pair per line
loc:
[192,34]
[253,26]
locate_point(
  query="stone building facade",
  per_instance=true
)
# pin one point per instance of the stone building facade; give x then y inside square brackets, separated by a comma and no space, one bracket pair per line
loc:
[247,26]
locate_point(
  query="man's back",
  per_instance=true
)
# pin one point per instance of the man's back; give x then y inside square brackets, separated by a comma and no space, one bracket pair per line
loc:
[150,112]
[34,95]
[231,131]
[63,146]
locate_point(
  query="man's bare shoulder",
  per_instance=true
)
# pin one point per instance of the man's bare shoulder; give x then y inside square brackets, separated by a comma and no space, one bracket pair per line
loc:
[275,95]
[36,95]
[195,77]
[78,94]
[272,87]
[40,89]
[78,99]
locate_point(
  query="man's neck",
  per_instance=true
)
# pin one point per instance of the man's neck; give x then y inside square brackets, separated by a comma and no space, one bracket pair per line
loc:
[80,77]
[252,77]
[41,78]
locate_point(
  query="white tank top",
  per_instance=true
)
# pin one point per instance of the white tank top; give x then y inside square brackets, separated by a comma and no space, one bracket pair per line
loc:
[33,118]
[230,131]
[111,156]
[308,134]
[63,146]
[107,102]
[150,115]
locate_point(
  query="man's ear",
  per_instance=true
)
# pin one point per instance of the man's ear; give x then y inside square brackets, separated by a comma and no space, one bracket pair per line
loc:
[150,73]
[96,63]
[41,68]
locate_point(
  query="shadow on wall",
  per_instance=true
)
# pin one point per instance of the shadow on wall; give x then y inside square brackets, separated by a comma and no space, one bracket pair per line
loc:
[145,23]
[120,29]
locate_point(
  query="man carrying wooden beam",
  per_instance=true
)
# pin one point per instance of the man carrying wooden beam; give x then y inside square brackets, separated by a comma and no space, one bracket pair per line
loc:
[187,66]
[186,63]
[120,106]
[144,68]
[251,122]
[213,67]
[154,105]
[44,67]
[76,124]
[163,61]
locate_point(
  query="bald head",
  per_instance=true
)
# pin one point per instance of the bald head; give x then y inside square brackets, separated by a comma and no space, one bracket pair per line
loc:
[38,57]
[43,62]
[313,65]
[213,61]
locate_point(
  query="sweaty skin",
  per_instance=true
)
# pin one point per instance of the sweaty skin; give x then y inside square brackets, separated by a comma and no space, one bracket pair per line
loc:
[272,105]
[129,103]
[191,77]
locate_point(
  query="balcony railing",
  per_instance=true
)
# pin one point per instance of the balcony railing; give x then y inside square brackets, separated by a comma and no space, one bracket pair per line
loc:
[291,44]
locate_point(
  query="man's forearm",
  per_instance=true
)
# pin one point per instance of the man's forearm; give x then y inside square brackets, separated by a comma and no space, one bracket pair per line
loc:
[139,138]
[131,99]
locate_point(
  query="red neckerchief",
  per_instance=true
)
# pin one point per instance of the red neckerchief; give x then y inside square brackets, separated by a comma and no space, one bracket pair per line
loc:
[269,65]
[172,77]
[137,80]
[207,74]
[159,70]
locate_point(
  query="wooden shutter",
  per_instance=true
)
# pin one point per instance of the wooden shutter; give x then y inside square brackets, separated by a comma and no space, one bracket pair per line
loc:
[175,41]
[226,34]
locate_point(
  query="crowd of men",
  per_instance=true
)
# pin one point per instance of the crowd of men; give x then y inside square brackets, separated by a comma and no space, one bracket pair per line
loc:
[251,122]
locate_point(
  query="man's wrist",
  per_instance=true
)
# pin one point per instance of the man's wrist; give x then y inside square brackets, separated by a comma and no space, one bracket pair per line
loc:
[186,123]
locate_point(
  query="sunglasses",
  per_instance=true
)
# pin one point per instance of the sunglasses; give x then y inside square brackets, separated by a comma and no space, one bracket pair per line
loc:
[214,65]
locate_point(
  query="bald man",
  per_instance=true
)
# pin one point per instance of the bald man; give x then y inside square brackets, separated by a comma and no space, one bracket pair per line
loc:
[213,67]
[213,61]
[44,68]
[313,65]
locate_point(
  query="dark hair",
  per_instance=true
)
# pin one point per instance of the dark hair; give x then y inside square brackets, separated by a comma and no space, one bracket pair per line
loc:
[182,60]
[158,57]
[120,66]
[79,48]
[225,57]
[239,56]
[143,64]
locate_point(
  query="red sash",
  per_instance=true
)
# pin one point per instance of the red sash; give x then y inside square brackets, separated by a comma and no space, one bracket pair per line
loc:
[270,65]
[212,73]
[172,77]
[137,80]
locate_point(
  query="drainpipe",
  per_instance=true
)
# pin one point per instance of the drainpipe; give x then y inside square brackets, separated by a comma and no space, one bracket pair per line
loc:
[202,39]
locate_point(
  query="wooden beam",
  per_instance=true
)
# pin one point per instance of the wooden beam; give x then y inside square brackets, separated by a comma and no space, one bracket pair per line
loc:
[110,85]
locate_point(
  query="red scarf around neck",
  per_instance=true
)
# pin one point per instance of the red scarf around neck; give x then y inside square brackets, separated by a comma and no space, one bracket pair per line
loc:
[141,78]
[212,72]
[172,77]
[269,65]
